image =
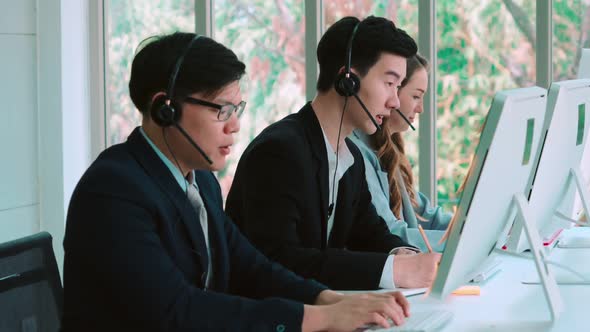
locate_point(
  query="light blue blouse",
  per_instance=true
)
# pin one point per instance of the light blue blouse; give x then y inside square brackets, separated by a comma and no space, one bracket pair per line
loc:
[436,219]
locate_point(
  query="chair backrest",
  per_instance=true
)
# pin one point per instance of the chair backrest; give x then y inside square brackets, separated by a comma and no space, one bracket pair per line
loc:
[31,294]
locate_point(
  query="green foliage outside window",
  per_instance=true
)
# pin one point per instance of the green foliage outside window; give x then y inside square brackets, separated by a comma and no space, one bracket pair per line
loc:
[130,22]
[482,47]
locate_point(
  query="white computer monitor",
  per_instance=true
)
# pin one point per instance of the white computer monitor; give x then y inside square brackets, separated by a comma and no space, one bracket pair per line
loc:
[584,66]
[500,169]
[553,186]
[584,72]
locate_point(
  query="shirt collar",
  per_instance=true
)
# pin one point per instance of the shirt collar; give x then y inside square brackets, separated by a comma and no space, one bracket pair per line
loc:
[345,158]
[182,182]
[361,136]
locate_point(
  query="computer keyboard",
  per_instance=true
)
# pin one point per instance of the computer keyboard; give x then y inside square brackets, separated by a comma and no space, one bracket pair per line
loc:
[422,321]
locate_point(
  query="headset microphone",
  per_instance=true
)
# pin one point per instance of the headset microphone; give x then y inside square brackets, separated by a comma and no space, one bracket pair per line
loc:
[367,111]
[165,113]
[405,119]
[193,143]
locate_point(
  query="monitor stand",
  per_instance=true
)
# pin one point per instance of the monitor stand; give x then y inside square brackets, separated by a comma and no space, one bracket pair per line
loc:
[552,295]
[517,243]
[576,175]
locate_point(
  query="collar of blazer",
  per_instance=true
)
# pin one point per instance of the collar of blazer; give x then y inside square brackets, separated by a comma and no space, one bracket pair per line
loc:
[160,174]
[315,137]
[313,130]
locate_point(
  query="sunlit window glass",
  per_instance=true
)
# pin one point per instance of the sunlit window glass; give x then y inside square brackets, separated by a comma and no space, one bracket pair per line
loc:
[571,33]
[130,22]
[269,37]
[483,47]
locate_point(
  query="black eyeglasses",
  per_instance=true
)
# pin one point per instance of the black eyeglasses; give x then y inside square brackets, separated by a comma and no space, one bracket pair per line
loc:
[225,111]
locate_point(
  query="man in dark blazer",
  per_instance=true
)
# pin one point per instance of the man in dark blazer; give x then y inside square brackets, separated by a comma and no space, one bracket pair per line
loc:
[148,246]
[310,210]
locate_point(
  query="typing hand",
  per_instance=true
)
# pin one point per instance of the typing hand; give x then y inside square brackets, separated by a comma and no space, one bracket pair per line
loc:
[357,310]
[328,297]
[415,271]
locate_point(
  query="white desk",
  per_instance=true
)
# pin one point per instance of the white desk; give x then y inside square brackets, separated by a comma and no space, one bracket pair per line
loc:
[505,304]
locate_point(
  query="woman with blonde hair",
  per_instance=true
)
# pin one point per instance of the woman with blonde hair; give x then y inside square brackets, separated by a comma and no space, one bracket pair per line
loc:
[388,170]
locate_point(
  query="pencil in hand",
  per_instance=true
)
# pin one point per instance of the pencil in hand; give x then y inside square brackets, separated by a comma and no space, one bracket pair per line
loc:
[425,238]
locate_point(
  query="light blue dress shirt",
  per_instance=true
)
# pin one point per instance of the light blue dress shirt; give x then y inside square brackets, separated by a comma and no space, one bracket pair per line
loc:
[436,220]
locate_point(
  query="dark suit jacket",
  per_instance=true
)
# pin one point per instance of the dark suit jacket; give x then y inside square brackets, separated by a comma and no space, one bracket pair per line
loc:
[279,199]
[135,256]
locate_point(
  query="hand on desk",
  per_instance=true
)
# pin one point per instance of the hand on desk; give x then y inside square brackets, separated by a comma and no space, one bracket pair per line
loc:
[328,297]
[355,310]
[415,271]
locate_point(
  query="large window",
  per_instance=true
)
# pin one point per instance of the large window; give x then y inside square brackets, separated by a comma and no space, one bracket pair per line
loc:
[571,33]
[269,37]
[483,47]
[404,13]
[128,23]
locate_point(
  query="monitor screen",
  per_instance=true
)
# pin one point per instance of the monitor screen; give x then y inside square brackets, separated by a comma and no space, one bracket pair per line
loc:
[501,168]
[584,72]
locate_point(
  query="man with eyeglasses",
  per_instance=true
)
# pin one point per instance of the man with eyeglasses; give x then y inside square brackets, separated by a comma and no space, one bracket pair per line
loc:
[224,111]
[148,246]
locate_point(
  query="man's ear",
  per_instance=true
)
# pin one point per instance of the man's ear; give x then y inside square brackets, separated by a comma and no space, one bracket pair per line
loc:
[157,95]
[343,69]
[149,108]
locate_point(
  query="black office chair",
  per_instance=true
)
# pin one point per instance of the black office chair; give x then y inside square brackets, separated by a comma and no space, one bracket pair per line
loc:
[31,294]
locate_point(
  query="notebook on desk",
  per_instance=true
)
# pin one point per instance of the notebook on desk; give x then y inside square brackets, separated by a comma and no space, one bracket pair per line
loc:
[409,291]
[575,238]
[562,278]
[406,291]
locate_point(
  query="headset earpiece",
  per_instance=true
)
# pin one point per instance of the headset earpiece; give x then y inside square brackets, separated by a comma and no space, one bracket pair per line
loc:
[163,111]
[347,83]
[347,86]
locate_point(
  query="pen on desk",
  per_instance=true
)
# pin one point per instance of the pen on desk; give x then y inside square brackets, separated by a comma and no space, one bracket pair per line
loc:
[486,275]
[425,239]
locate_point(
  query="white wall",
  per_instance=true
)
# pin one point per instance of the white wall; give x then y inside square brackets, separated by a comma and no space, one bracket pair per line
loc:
[19,196]
[45,143]
[75,92]
[64,148]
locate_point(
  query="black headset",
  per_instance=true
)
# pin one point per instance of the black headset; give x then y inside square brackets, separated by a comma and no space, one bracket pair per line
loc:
[164,111]
[347,83]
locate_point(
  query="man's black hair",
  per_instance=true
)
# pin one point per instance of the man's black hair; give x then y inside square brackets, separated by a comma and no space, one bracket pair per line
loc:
[375,35]
[207,67]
